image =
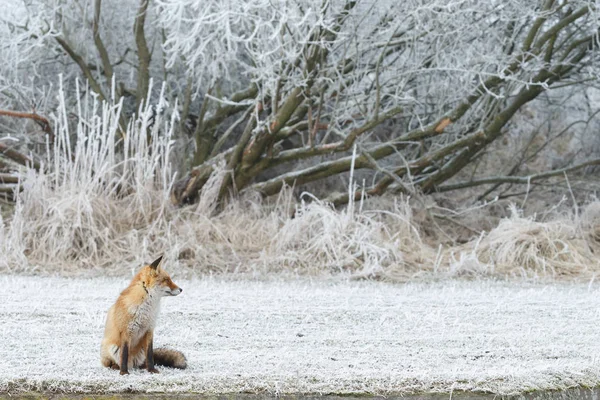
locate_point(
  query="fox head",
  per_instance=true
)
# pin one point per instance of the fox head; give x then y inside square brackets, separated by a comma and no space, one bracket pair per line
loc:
[156,279]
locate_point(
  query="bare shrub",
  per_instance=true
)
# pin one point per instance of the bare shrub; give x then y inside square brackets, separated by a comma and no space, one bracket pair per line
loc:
[93,210]
[282,91]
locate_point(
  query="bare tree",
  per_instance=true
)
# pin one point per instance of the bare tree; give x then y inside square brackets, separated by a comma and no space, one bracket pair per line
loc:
[281,92]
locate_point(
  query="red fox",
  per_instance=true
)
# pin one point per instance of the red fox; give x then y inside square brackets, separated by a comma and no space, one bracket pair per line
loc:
[129,330]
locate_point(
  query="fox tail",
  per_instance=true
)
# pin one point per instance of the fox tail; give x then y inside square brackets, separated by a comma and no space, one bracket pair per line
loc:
[170,358]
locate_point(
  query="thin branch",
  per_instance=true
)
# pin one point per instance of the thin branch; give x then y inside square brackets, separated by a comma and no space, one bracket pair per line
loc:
[337,147]
[390,174]
[229,131]
[17,157]
[42,121]
[83,66]
[7,193]
[144,56]
[228,110]
[8,179]
[237,155]
[201,135]
[104,57]
[187,101]
[516,179]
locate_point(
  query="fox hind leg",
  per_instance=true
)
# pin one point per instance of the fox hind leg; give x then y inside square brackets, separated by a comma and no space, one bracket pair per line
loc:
[109,356]
[109,363]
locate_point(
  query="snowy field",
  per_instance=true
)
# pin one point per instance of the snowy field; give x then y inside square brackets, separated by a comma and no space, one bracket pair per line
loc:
[310,337]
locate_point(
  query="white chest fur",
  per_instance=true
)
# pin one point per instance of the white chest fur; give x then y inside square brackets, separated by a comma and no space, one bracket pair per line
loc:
[144,315]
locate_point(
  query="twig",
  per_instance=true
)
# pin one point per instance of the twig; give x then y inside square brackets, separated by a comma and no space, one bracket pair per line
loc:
[83,66]
[229,130]
[42,121]
[448,218]
[516,179]
[18,157]
[391,174]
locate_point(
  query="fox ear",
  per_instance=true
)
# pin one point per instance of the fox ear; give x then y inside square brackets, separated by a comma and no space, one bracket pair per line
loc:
[156,263]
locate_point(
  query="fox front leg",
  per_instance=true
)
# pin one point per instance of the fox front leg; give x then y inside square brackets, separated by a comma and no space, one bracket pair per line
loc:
[124,357]
[150,354]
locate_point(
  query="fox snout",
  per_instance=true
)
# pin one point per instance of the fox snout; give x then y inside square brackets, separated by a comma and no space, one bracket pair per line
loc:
[176,291]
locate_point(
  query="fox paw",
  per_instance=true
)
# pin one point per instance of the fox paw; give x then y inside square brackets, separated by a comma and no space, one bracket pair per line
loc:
[124,372]
[154,371]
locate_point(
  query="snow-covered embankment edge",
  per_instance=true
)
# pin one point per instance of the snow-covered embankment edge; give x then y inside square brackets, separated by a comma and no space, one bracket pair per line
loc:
[317,337]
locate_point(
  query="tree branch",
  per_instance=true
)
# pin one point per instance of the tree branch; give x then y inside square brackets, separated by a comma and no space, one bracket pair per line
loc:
[106,65]
[17,157]
[83,66]
[516,179]
[8,179]
[143,80]
[42,121]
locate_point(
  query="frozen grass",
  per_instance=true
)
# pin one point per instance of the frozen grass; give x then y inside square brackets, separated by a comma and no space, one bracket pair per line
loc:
[523,246]
[103,205]
[104,202]
[307,337]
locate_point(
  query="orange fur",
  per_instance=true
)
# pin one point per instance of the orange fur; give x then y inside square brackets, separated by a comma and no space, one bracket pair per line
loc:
[129,331]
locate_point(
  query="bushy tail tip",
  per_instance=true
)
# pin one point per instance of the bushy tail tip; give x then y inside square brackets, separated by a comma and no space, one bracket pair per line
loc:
[170,358]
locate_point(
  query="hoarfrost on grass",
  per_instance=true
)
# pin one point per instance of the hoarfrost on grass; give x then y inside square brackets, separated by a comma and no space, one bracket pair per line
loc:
[310,337]
[93,209]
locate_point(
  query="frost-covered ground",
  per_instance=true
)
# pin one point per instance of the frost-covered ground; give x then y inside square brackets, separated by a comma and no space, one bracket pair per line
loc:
[310,337]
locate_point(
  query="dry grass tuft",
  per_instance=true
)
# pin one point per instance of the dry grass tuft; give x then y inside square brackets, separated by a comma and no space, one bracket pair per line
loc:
[522,246]
[97,211]
[362,243]
[590,223]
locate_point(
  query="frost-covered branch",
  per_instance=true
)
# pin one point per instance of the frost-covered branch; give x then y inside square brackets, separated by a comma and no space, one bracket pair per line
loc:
[12,154]
[279,92]
[524,180]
